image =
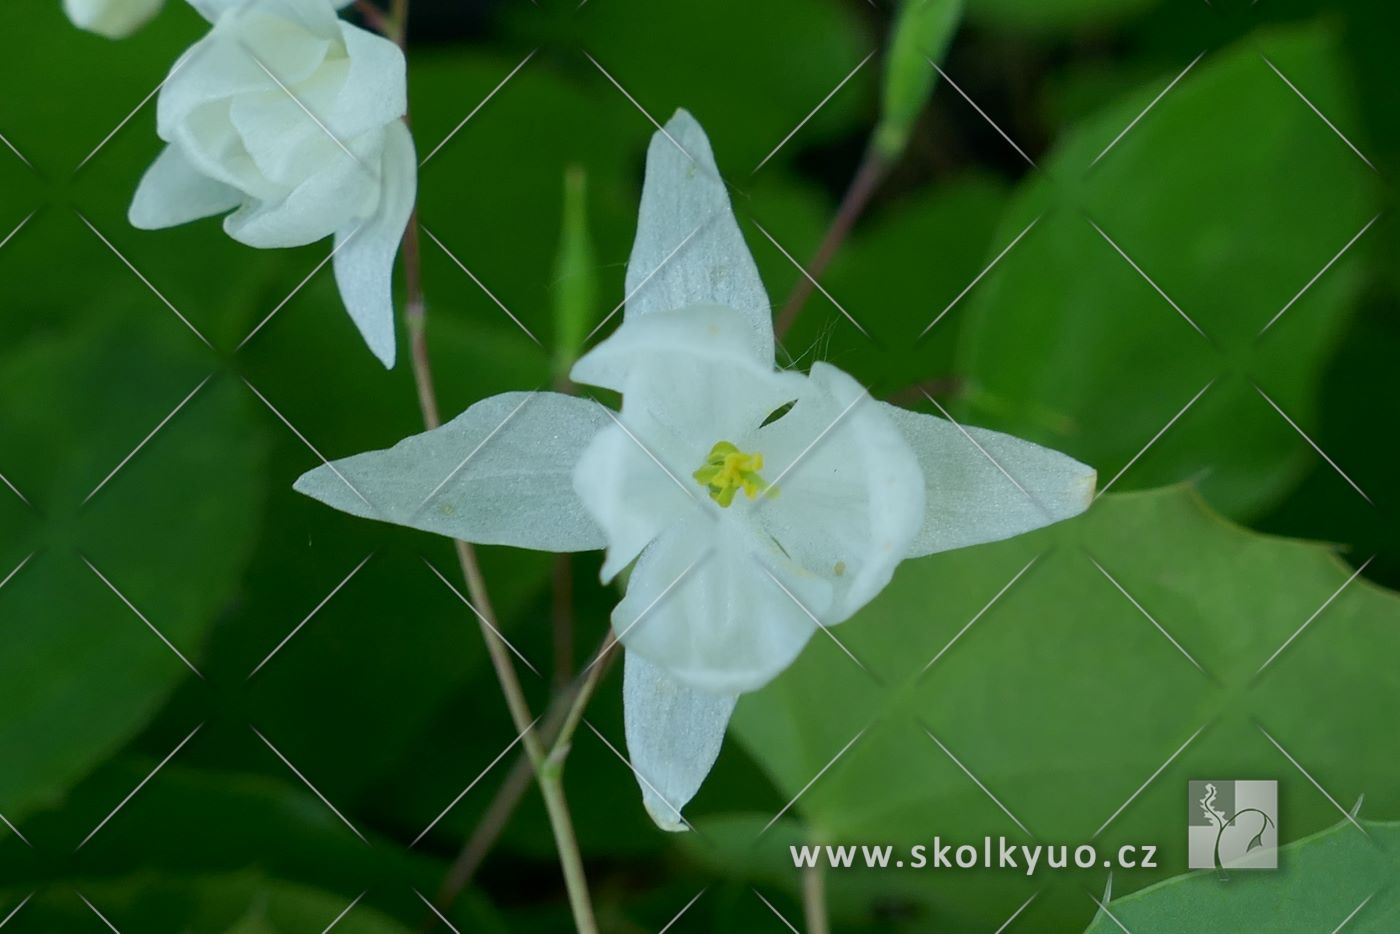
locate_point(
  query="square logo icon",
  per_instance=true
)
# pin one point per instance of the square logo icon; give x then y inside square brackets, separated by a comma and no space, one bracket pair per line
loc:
[1232,825]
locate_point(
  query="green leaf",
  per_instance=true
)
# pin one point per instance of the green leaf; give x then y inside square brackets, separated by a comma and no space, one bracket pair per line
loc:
[1066,342]
[921,34]
[1320,882]
[1045,15]
[1063,698]
[171,531]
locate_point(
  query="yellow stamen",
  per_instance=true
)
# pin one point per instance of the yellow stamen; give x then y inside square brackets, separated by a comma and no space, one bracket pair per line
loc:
[727,470]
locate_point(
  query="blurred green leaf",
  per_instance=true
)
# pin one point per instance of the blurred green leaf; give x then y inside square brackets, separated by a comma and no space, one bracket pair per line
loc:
[171,530]
[1338,878]
[1063,697]
[1037,15]
[1230,195]
[921,33]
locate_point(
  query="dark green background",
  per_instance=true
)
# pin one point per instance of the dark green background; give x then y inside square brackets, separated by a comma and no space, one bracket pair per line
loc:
[1231,194]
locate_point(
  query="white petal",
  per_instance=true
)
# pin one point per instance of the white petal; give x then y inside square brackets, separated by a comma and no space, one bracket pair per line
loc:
[988,486]
[684,201]
[630,496]
[717,607]
[174,192]
[674,733]
[850,494]
[313,12]
[114,19]
[498,474]
[364,259]
[376,87]
[689,378]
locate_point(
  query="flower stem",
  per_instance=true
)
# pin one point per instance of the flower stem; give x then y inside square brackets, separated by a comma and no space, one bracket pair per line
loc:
[814,900]
[565,713]
[871,172]
[548,774]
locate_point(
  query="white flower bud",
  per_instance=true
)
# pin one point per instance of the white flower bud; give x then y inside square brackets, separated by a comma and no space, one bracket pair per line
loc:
[115,19]
[293,118]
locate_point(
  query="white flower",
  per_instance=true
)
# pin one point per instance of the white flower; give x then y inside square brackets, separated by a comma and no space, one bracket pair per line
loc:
[757,504]
[292,117]
[115,19]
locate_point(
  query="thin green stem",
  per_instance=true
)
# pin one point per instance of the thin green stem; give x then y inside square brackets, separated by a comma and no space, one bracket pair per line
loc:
[814,899]
[548,774]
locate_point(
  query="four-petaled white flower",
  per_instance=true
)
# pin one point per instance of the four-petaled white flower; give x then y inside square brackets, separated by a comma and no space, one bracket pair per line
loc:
[293,117]
[115,19]
[758,504]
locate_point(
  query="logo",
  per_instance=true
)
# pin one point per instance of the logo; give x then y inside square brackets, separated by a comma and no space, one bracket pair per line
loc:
[1232,825]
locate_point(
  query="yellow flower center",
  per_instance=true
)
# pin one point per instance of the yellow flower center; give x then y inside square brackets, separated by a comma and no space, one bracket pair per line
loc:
[727,470]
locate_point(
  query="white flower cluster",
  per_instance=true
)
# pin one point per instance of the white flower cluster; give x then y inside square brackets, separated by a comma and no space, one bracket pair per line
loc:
[289,121]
